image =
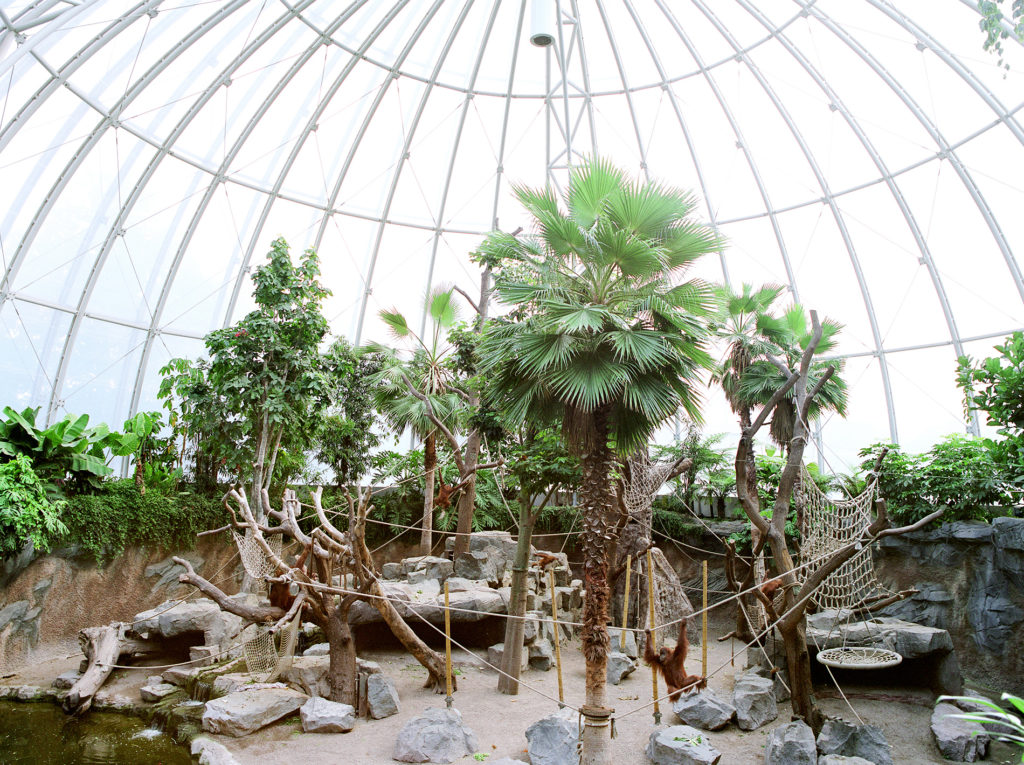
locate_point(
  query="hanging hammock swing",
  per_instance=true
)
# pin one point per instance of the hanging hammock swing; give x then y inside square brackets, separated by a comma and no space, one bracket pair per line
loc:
[827,526]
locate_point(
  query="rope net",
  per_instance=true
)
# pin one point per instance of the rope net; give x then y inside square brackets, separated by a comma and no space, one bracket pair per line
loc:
[254,560]
[828,525]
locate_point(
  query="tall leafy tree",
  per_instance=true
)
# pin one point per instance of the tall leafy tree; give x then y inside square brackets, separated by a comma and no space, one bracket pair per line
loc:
[264,381]
[605,332]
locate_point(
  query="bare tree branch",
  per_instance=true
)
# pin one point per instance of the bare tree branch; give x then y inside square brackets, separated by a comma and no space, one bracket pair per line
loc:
[238,607]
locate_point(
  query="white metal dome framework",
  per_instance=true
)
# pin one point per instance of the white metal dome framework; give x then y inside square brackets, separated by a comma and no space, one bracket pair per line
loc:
[865,153]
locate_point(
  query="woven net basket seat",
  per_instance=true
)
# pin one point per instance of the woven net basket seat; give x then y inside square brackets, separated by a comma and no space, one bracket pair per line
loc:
[859,657]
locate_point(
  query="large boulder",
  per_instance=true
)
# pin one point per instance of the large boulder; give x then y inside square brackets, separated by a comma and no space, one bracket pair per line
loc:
[791,744]
[428,567]
[958,739]
[170,620]
[630,649]
[156,691]
[381,696]
[867,741]
[308,674]
[437,735]
[542,655]
[681,745]
[481,564]
[243,712]
[754,701]
[496,654]
[555,739]
[703,710]
[211,752]
[322,716]
[620,666]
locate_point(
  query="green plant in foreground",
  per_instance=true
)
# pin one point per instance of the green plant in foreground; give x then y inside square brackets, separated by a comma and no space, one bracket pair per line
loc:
[1011,729]
[26,514]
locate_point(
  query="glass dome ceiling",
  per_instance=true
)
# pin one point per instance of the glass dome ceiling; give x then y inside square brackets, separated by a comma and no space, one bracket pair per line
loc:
[867,154]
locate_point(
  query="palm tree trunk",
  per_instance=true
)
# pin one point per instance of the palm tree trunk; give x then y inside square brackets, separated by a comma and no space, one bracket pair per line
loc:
[599,507]
[512,658]
[429,468]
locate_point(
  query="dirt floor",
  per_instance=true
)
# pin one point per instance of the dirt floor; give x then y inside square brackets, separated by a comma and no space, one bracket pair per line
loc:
[500,721]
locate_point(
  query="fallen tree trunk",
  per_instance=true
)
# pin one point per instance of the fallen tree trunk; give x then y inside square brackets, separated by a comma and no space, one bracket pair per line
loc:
[102,647]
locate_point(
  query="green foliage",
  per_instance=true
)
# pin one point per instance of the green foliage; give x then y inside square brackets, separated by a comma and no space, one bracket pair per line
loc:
[68,456]
[710,475]
[265,382]
[995,385]
[959,473]
[601,318]
[999,723]
[26,513]
[347,433]
[991,23]
[107,522]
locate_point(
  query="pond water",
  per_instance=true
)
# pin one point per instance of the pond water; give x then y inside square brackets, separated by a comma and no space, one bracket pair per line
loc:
[41,734]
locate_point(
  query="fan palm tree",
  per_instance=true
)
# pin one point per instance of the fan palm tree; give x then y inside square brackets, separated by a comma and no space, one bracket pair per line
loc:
[790,334]
[426,372]
[605,332]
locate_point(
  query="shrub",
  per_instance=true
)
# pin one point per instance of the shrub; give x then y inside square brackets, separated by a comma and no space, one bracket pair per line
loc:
[26,514]
[107,522]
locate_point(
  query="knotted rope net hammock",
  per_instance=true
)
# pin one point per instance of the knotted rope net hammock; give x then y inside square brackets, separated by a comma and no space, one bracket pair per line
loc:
[262,658]
[829,525]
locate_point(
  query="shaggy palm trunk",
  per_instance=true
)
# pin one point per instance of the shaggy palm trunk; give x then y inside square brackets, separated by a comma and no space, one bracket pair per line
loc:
[598,502]
[512,658]
[429,468]
[342,672]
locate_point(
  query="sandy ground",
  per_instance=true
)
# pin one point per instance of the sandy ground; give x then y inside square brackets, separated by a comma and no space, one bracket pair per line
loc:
[500,721]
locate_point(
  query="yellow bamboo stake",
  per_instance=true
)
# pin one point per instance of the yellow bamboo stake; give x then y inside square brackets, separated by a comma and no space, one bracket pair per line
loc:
[654,641]
[558,642]
[625,606]
[704,622]
[447,647]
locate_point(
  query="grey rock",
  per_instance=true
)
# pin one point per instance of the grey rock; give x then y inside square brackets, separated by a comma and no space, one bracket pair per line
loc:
[501,542]
[531,627]
[703,710]
[167,571]
[1008,533]
[14,612]
[203,615]
[391,571]
[381,696]
[322,716]
[958,739]
[309,675]
[971,532]
[179,676]
[839,759]
[211,752]
[204,655]
[461,584]
[367,667]
[830,629]
[432,567]
[555,739]
[231,682]
[791,744]
[754,700]
[867,741]
[615,635]
[154,693]
[320,649]
[496,654]
[620,666]
[681,745]
[541,655]
[437,735]
[243,712]
[480,564]
[66,679]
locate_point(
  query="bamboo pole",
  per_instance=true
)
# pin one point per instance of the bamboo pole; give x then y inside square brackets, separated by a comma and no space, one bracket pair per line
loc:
[447,648]
[625,606]
[654,642]
[704,621]
[558,642]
